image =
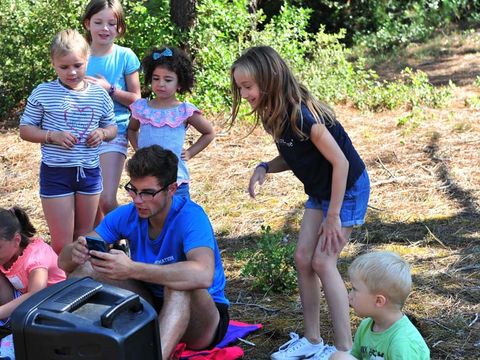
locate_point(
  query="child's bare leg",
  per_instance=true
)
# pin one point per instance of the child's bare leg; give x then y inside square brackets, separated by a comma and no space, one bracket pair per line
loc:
[111,164]
[325,266]
[85,211]
[60,217]
[308,281]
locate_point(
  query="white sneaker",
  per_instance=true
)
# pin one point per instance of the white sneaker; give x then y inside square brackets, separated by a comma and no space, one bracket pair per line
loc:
[325,353]
[297,349]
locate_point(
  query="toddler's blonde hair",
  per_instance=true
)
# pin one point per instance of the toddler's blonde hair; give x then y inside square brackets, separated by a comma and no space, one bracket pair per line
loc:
[384,273]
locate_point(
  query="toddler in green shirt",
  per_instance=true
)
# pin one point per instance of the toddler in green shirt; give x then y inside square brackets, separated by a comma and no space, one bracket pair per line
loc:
[381,282]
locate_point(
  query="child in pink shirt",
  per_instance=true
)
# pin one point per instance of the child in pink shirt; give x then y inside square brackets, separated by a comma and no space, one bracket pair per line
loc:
[27,264]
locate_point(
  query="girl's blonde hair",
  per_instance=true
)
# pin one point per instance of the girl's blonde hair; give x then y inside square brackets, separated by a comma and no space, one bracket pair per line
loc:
[384,273]
[67,41]
[95,6]
[281,94]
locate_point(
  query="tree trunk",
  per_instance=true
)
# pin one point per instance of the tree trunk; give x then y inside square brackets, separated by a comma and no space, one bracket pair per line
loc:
[183,13]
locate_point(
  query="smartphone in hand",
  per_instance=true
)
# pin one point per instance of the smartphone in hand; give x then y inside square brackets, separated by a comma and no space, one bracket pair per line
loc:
[96,244]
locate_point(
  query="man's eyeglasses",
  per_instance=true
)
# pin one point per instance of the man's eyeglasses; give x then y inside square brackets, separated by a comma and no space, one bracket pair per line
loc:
[144,195]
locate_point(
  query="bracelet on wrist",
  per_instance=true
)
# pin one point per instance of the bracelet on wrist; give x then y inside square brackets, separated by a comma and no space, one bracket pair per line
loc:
[112,90]
[48,137]
[264,165]
[104,134]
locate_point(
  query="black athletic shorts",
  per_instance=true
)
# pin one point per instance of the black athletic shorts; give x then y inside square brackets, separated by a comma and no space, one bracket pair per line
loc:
[222,322]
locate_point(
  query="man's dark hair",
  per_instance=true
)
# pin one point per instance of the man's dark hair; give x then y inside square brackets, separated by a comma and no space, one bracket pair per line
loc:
[154,161]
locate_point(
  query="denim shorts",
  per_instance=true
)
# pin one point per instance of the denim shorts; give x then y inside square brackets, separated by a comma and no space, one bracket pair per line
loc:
[65,181]
[354,206]
[118,144]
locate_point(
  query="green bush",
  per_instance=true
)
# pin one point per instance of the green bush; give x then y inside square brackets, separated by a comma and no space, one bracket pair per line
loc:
[381,25]
[222,31]
[412,90]
[27,28]
[270,265]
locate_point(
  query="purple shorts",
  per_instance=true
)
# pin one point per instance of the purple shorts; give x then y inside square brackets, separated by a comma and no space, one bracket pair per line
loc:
[65,181]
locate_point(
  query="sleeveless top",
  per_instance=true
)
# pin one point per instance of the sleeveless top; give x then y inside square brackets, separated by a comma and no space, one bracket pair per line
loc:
[164,127]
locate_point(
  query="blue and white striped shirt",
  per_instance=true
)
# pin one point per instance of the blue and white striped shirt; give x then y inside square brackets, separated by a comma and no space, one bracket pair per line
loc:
[53,107]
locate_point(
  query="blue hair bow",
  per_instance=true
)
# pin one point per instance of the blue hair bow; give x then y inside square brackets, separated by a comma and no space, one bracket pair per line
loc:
[157,54]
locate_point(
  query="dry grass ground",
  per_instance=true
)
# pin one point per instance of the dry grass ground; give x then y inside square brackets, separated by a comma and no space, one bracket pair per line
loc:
[424,205]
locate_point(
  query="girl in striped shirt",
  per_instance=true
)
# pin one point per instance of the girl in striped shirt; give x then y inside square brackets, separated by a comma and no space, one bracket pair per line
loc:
[70,118]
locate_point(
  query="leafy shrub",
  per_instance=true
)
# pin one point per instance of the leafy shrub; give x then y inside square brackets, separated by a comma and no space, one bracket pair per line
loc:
[27,31]
[412,90]
[222,31]
[271,265]
[473,102]
[380,25]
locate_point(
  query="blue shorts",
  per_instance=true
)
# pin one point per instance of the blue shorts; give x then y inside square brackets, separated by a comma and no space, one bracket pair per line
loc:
[65,181]
[354,206]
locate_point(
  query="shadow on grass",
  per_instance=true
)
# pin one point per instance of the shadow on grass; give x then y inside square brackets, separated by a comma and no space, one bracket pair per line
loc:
[454,286]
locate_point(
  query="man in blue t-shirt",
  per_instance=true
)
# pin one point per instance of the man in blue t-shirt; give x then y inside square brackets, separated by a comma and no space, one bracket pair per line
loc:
[175,261]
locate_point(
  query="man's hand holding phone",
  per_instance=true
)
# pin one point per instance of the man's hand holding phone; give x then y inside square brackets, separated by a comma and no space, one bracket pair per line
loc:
[96,244]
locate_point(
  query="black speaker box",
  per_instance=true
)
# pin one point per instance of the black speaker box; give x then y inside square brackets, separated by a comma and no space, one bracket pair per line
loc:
[82,319]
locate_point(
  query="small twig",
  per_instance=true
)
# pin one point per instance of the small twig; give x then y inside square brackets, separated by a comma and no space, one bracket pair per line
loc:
[388,181]
[469,141]
[259,306]
[436,343]
[435,238]
[441,325]
[469,267]
[246,341]
[427,170]
[474,320]
[384,167]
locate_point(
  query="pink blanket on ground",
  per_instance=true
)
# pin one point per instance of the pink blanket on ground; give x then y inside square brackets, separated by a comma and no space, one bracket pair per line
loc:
[236,329]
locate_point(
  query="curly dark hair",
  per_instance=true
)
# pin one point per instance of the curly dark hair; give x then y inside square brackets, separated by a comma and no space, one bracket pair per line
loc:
[172,59]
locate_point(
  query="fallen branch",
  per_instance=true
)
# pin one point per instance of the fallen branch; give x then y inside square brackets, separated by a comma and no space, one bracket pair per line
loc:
[441,325]
[388,181]
[435,238]
[256,305]
[384,167]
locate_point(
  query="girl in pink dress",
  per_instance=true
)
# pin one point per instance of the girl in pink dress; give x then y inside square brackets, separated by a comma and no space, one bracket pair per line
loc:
[163,120]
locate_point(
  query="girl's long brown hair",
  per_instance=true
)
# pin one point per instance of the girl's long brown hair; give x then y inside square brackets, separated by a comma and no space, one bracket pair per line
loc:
[281,93]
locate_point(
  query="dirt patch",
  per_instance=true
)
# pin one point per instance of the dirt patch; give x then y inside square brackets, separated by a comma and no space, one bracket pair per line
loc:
[446,58]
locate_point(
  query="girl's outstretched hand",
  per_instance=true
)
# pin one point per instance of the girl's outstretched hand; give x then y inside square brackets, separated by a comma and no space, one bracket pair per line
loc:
[63,138]
[333,238]
[258,176]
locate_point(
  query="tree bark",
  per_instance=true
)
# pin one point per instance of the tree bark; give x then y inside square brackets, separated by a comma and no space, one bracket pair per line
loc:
[183,13]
